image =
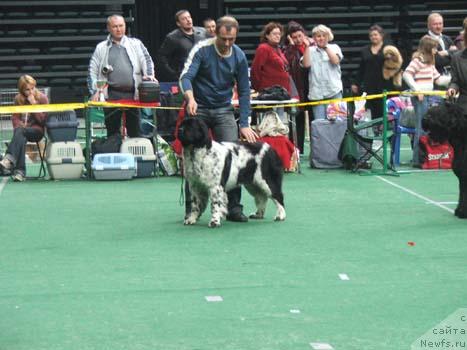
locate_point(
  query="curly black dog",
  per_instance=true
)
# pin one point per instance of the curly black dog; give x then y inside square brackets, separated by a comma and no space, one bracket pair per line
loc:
[212,169]
[448,122]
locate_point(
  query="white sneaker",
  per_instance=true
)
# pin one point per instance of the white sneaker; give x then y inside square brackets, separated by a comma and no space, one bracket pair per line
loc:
[18,177]
[5,164]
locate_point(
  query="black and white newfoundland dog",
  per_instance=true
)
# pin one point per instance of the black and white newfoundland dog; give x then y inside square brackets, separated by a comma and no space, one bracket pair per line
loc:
[212,169]
[448,122]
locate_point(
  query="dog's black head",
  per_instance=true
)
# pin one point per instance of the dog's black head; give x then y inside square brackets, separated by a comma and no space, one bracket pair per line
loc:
[194,132]
[445,122]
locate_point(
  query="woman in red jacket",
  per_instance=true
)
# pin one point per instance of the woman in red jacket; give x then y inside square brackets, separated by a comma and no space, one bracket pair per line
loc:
[270,67]
[27,127]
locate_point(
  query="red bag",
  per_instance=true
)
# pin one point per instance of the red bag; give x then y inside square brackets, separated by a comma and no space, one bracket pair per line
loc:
[435,155]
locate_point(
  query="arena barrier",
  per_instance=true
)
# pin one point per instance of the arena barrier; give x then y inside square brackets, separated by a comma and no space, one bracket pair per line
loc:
[155,106]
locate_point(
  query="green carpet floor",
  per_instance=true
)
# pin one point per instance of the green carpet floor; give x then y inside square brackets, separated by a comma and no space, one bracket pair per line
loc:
[109,265]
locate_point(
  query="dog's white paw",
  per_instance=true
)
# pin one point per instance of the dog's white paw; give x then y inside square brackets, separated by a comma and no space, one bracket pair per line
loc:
[280,215]
[214,223]
[190,220]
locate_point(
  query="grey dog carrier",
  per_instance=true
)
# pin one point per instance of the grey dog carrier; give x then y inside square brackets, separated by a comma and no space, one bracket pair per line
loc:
[326,138]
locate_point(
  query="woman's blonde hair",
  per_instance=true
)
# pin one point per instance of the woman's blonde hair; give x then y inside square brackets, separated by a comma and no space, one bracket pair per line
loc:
[321,28]
[23,82]
[425,49]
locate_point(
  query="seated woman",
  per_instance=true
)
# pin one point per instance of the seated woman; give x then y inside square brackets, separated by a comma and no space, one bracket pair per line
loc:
[28,127]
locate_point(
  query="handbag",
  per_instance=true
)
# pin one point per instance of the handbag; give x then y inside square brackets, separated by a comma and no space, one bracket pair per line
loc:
[274,93]
[435,155]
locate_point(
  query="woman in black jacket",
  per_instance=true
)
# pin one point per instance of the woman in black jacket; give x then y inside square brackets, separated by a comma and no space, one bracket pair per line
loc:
[370,78]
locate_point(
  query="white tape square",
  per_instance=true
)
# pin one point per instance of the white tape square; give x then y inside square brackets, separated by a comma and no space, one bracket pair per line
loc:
[213,298]
[321,346]
[344,277]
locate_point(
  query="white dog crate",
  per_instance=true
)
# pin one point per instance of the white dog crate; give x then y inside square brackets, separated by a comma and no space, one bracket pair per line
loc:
[113,166]
[65,160]
[143,151]
[62,126]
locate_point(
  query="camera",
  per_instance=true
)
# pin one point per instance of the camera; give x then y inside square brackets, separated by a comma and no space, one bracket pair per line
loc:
[107,69]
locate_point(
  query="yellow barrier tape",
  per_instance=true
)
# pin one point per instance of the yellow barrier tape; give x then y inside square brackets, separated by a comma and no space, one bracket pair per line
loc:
[67,106]
[349,99]
[41,108]
[116,104]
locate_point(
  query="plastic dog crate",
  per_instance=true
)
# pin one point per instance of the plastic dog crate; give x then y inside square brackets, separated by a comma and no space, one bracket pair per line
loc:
[62,126]
[143,151]
[113,166]
[65,160]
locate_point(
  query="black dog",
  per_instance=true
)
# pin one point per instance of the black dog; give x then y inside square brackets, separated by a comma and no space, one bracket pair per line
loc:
[448,122]
[212,169]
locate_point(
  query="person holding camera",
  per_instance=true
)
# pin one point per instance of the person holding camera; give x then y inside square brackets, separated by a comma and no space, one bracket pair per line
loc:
[118,65]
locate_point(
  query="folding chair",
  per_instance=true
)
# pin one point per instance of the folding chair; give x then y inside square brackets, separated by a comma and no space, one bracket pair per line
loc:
[398,131]
[357,146]
[41,149]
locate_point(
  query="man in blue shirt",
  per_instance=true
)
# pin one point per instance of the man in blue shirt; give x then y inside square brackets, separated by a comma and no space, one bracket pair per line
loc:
[211,71]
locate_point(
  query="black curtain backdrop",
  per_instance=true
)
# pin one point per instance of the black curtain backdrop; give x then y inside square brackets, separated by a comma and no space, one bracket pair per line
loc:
[155,18]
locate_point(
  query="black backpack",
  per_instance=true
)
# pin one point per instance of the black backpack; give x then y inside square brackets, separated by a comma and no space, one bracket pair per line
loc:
[110,144]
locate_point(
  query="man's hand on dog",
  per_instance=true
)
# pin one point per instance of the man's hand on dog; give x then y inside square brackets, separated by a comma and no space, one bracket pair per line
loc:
[451,92]
[191,107]
[248,134]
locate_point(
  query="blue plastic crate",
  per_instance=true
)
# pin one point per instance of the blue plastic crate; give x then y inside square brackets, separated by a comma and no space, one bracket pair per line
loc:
[113,166]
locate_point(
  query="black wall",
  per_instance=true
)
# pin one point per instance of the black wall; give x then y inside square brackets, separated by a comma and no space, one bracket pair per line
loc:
[155,18]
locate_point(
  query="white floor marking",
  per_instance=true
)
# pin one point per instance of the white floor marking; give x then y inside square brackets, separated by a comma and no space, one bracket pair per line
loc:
[213,298]
[2,184]
[426,199]
[321,346]
[344,277]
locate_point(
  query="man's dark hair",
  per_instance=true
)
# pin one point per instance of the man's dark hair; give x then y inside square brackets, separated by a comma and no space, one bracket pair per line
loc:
[228,22]
[209,19]
[179,13]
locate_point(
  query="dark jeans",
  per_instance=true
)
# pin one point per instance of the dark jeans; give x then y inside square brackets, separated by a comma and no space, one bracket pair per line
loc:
[16,151]
[221,122]
[300,128]
[113,121]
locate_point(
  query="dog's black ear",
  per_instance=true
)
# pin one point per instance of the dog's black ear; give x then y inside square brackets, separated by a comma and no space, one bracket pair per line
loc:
[205,138]
[436,123]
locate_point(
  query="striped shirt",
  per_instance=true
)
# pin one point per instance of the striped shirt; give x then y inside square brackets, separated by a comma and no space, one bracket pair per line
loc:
[420,76]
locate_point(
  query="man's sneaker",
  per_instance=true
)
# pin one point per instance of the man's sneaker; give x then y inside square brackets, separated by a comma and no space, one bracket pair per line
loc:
[18,177]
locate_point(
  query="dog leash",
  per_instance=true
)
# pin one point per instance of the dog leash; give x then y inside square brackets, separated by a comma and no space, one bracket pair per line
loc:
[181,199]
